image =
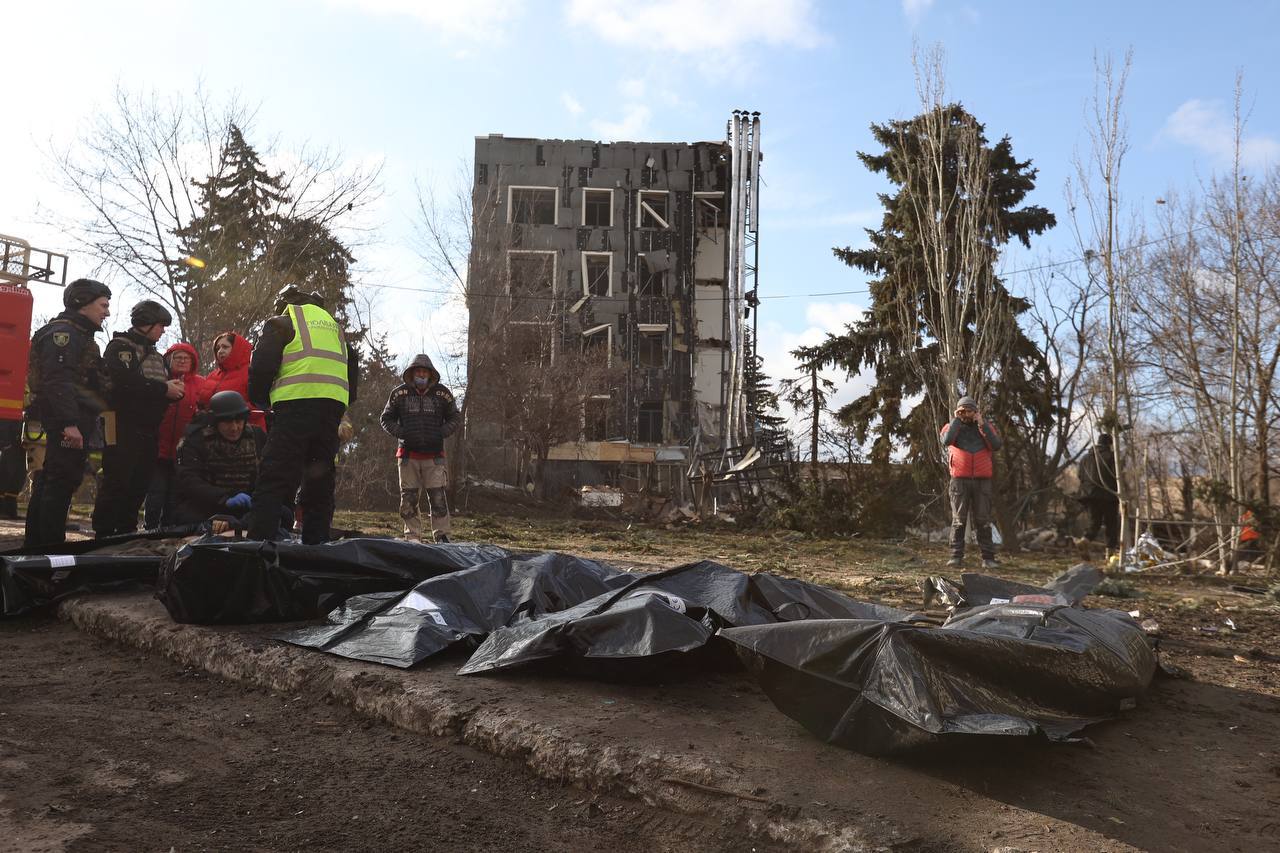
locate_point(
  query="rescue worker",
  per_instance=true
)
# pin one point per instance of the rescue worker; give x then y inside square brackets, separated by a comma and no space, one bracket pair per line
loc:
[421,414]
[68,385]
[184,364]
[141,391]
[217,467]
[969,441]
[303,369]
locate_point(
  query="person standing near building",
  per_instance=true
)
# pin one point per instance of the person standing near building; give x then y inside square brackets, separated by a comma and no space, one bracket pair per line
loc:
[421,414]
[970,441]
[184,364]
[67,385]
[1099,491]
[303,369]
[141,390]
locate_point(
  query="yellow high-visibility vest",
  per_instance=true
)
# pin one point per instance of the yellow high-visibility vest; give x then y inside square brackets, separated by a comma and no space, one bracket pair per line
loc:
[315,361]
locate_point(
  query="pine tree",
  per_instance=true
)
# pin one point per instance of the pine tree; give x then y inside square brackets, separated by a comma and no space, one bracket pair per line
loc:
[898,337]
[238,225]
[762,400]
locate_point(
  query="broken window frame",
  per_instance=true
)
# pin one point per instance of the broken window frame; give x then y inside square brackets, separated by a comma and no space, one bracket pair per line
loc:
[511,207]
[607,328]
[645,332]
[547,334]
[586,191]
[702,201]
[511,253]
[645,274]
[642,207]
[586,284]
[646,409]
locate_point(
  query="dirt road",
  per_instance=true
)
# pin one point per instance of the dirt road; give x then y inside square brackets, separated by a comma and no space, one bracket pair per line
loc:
[102,749]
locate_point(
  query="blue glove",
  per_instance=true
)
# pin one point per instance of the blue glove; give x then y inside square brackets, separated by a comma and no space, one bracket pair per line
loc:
[239,501]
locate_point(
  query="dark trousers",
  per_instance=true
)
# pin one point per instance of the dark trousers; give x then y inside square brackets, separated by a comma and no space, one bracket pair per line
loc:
[126,474]
[13,468]
[52,488]
[971,501]
[300,451]
[1104,512]
[158,509]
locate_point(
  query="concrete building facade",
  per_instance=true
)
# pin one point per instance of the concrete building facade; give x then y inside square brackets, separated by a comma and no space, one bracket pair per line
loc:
[629,252]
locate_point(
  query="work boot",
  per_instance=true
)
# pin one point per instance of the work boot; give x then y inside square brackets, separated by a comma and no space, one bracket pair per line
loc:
[442,538]
[990,563]
[955,562]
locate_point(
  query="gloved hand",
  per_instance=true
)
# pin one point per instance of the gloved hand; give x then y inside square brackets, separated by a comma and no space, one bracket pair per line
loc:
[346,430]
[239,501]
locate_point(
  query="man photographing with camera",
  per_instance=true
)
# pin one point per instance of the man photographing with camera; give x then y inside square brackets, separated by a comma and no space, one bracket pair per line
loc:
[970,441]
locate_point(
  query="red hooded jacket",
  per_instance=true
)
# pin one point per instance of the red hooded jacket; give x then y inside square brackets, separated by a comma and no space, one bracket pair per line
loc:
[232,375]
[180,412]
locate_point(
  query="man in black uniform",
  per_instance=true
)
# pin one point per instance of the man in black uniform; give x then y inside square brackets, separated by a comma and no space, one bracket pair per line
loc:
[217,465]
[304,371]
[68,384]
[140,391]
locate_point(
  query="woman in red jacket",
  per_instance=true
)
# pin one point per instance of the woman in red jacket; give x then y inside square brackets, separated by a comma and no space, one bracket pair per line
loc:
[231,353]
[184,364]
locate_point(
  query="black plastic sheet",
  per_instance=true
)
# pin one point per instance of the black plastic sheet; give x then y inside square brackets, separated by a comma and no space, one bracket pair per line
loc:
[30,582]
[403,628]
[996,669]
[676,611]
[221,581]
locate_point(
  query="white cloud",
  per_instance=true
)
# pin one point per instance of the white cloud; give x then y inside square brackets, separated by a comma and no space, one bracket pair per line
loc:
[632,89]
[916,9]
[474,20]
[698,26]
[632,126]
[1206,125]
[572,104]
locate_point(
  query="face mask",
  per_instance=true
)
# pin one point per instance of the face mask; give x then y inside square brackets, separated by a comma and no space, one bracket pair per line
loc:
[420,381]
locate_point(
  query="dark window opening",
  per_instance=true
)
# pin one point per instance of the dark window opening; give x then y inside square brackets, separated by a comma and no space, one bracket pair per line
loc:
[652,282]
[649,427]
[653,210]
[595,343]
[597,208]
[711,213]
[532,273]
[651,350]
[533,206]
[529,343]
[597,274]
[596,420]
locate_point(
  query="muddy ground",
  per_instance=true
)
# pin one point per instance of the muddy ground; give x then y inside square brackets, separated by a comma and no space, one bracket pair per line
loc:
[102,749]
[1195,767]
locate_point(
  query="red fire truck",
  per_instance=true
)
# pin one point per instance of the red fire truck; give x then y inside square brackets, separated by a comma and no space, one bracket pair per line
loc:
[20,265]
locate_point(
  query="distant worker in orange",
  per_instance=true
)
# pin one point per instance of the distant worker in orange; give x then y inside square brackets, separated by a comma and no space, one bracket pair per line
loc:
[970,441]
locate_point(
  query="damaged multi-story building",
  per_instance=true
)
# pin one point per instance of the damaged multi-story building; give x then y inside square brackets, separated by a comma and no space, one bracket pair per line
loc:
[643,254]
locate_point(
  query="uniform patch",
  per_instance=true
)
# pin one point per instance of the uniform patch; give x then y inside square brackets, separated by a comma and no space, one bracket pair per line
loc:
[61,339]
[126,356]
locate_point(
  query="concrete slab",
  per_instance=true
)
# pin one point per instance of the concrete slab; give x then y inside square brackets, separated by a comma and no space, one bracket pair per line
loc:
[704,745]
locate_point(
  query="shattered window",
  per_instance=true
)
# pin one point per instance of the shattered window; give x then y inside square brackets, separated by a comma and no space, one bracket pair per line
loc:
[533,205]
[531,272]
[597,208]
[597,343]
[654,210]
[529,343]
[649,427]
[651,349]
[651,282]
[595,273]
[710,210]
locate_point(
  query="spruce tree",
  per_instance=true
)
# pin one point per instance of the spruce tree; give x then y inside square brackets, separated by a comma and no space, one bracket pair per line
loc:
[762,400]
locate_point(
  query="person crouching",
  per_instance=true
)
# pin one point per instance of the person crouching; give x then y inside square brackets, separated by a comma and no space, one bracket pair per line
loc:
[421,414]
[217,465]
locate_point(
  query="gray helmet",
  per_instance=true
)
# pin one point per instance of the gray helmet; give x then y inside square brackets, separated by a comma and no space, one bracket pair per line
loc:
[228,406]
[148,312]
[82,291]
[292,295]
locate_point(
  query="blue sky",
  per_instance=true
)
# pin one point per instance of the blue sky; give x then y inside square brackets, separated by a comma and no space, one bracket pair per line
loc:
[412,83]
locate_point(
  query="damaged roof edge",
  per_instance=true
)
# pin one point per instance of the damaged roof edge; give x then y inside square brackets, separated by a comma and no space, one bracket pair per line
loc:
[596,141]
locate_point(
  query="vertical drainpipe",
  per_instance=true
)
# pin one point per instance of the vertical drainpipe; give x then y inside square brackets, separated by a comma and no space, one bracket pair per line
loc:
[732,276]
[755,269]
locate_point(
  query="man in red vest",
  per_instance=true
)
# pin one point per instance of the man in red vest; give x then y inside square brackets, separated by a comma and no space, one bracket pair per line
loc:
[969,441]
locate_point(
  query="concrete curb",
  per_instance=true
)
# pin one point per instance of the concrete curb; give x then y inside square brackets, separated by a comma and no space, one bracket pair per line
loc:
[685,784]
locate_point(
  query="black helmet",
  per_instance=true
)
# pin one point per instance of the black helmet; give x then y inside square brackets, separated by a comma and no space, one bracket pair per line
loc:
[227,406]
[148,313]
[82,291]
[291,295]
